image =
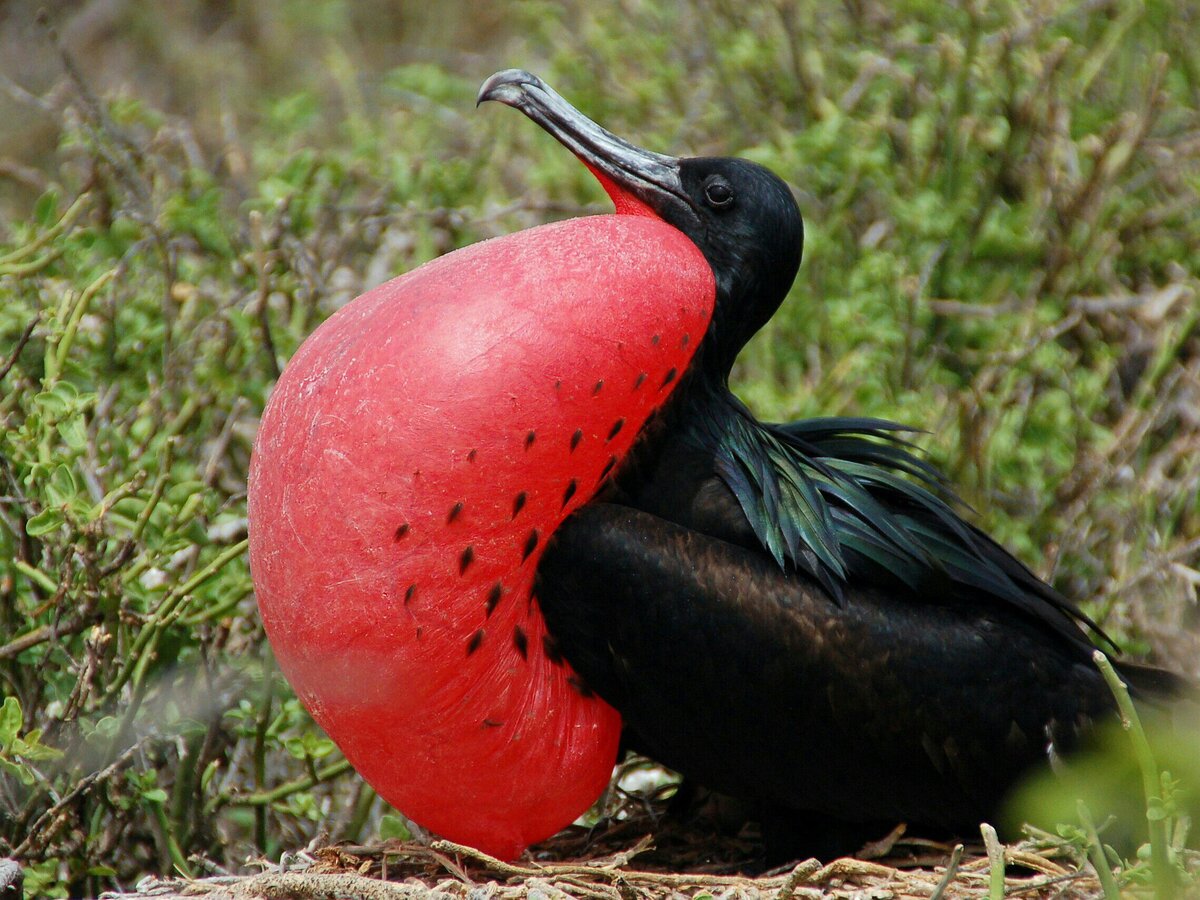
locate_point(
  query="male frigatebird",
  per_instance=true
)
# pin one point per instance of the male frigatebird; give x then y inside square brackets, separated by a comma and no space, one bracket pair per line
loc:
[502,498]
[795,613]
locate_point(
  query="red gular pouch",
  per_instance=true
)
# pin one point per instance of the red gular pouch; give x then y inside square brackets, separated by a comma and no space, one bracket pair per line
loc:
[418,452]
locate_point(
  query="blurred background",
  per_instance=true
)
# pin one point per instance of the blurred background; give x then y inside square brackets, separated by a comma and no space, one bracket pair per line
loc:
[1003,249]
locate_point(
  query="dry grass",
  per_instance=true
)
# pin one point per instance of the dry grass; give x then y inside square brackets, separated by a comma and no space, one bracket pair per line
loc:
[617,864]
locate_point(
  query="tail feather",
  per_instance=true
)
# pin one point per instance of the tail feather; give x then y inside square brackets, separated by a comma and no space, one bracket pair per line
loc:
[1150,684]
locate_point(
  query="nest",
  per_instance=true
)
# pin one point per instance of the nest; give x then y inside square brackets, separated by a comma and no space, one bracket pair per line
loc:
[645,855]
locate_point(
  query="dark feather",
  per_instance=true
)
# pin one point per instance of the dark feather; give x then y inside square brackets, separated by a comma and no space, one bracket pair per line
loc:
[848,501]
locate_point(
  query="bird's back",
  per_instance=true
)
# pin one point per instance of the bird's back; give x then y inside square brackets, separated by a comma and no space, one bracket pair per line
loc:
[879,703]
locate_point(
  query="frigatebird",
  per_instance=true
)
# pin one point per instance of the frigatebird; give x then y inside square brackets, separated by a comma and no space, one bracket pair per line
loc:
[798,614]
[497,496]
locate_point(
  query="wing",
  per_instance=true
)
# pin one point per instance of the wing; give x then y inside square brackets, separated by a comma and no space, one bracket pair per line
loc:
[757,683]
[849,502]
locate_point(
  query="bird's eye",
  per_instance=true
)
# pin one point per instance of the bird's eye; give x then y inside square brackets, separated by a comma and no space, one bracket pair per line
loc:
[718,193]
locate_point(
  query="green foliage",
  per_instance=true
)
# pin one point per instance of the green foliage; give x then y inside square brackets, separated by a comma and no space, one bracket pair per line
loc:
[18,752]
[1003,234]
[1141,776]
[393,828]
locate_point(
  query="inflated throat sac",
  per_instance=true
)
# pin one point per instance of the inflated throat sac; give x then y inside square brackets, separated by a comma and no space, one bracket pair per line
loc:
[416,455]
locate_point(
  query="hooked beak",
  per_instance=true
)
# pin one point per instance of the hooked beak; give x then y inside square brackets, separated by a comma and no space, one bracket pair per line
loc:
[640,182]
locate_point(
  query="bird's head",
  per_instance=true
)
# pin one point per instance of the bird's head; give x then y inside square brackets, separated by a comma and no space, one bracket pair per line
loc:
[741,216]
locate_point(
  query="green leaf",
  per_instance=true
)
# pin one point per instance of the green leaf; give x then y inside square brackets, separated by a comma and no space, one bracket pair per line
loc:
[51,404]
[309,746]
[10,721]
[207,776]
[155,795]
[178,493]
[62,487]
[42,879]
[81,509]
[49,519]
[393,828]
[73,432]
[66,392]
[31,747]
[45,211]
[21,773]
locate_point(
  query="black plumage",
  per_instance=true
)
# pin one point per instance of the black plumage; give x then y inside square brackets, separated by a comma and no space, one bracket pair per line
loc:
[797,614]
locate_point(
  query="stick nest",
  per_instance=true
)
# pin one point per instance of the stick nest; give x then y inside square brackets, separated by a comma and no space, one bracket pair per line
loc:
[643,856]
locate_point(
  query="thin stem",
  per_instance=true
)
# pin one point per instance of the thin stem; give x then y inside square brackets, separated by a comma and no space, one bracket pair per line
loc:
[1096,851]
[1160,847]
[995,854]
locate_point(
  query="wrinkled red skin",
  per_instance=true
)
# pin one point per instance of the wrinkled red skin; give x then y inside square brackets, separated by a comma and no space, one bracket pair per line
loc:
[418,451]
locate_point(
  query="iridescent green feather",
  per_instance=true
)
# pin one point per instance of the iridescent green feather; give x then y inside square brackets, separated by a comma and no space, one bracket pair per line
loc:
[847,501]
